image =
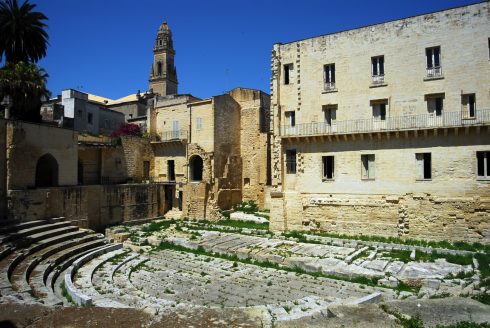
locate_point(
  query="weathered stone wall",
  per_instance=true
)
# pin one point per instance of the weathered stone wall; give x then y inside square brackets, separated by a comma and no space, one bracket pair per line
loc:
[395,201]
[3,169]
[93,207]
[27,142]
[136,151]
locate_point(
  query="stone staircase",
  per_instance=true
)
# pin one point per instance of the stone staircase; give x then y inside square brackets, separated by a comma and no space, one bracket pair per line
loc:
[35,254]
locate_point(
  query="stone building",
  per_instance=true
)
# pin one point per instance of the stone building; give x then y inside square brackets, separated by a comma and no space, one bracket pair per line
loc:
[384,129]
[210,153]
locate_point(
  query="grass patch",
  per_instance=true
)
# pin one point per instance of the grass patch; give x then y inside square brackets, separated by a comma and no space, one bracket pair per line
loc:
[164,245]
[249,207]
[405,321]
[243,224]
[155,226]
[65,293]
[465,324]
[483,264]
[482,298]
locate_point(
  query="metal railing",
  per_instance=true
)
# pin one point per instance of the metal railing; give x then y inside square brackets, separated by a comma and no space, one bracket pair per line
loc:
[433,72]
[398,123]
[329,86]
[166,136]
[378,79]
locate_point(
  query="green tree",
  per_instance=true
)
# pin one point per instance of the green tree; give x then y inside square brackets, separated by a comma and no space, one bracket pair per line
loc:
[22,32]
[26,84]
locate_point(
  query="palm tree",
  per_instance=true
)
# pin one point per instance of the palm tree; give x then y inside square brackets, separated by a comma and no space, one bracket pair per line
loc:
[26,84]
[22,32]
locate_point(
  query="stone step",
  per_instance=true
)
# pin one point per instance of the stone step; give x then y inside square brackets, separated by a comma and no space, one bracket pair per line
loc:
[51,233]
[20,236]
[53,280]
[39,276]
[16,226]
[20,275]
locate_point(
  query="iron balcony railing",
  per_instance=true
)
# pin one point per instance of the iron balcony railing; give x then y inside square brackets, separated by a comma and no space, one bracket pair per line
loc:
[378,79]
[433,72]
[399,123]
[329,86]
[167,136]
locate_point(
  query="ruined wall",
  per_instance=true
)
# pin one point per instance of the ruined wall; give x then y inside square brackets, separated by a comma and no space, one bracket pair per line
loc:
[254,140]
[92,207]
[3,169]
[415,216]
[137,150]
[27,142]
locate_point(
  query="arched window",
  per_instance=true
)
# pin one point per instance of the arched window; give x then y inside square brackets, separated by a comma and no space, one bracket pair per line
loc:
[195,168]
[47,171]
[159,68]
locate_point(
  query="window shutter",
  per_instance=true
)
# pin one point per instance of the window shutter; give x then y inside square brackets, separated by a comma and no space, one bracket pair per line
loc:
[437,56]
[428,54]
[374,63]
[332,68]
[382,65]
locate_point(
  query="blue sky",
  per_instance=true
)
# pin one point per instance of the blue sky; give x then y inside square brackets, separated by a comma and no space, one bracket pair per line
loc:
[105,46]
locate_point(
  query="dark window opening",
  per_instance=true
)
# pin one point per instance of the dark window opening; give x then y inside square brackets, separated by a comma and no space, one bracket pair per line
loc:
[290,118]
[90,118]
[47,171]
[469,105]
[146,170]
[181,200]
[287,73]
[382,111]
[291,161]
[159,68]
[433,57]
[438,103]
[195,168]
[171,170]
[483,164]
[378,65]
[328,167]
[424,161]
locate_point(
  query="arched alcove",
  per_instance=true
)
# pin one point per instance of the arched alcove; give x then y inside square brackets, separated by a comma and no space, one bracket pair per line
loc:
[195,168]
[46,171]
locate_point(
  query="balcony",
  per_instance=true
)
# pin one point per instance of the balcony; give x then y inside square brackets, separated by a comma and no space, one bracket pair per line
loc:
[378,80]
[169,136]
[329,87]
[389,124]
[434,72]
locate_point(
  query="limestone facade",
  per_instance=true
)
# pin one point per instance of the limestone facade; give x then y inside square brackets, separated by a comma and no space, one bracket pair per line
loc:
[384,130]
[211,153]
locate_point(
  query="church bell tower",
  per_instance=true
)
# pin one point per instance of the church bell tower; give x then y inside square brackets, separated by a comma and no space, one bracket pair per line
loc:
[163,74]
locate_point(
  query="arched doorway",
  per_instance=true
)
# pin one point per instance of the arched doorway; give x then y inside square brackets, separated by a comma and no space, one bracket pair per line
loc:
[195,168]
[46,171]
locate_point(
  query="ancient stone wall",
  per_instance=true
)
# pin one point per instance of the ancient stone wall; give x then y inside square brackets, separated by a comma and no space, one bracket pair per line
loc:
[92,207]
[137,151]
[27,142]
[3,169]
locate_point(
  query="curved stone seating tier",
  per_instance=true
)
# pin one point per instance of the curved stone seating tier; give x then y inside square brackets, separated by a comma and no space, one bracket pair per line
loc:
[20,273]
[77,296]
[38,280]
[13,227]
[24,233]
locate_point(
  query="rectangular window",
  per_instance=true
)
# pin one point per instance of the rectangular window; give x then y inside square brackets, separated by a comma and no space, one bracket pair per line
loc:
[291,161]
[171,170]
[89,118]
[483,164]
[328,167]
[146,170]
[379,111]
[435,104]
[367,166]
[329,76]
[433,57]
[198,123]
[175,129]
[378,69]
[290,118]
[330,112]
[288,68]
[424,165]
[468,102]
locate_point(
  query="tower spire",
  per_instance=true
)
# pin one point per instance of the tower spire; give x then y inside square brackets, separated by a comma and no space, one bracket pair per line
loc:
[163,74]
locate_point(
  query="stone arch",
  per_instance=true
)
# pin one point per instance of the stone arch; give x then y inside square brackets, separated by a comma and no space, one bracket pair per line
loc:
[196,168]
[46,171]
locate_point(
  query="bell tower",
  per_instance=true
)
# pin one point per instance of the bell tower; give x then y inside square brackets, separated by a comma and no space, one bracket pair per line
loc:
[163,74]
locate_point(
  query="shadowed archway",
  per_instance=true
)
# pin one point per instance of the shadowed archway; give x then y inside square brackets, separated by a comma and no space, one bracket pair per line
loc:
[46,171]
[195,168]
